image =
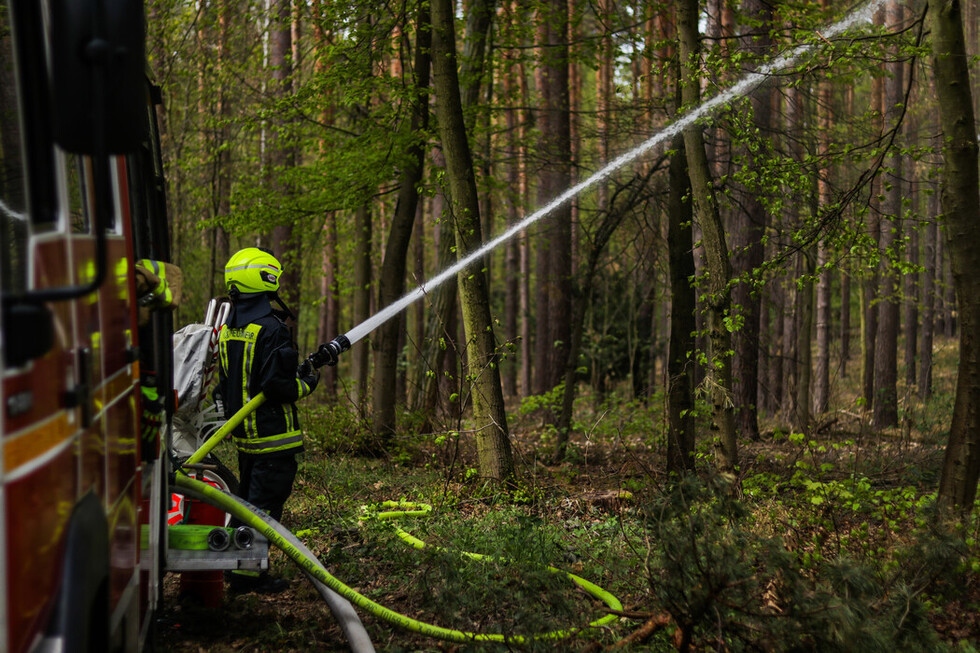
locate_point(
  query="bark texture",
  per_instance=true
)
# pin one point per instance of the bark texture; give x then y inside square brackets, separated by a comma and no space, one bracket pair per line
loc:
[483,372]
[554,261]
[392,279]
[718,269]
[886,343]
[680,366]
[961,209]
[748,235]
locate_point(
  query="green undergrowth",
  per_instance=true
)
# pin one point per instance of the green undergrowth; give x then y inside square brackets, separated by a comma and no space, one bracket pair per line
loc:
[784,574]
[510,591]
[810,559]
[826,541]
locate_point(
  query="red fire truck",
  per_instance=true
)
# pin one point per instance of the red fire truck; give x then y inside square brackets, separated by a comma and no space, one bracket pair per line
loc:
[82,470]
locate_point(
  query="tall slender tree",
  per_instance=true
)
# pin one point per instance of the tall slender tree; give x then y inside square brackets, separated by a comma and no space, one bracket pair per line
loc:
[821,373]
[924,383]
[483,371]
[554,244]
[328,324]
[750,228]
[716,297]
[361,309]
[961,210]
[392,280]
[680,364]
[886,341]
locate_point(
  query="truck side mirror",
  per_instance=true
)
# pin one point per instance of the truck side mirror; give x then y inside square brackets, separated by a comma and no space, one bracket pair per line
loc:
[99,88]
[28,333]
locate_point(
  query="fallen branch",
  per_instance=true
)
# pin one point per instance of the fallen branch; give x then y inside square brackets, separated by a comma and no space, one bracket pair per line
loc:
[630,614]
[652,625]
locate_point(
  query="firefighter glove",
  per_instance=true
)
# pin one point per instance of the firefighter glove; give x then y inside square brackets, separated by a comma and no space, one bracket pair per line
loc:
[305,368]
[310,381]
[329,353]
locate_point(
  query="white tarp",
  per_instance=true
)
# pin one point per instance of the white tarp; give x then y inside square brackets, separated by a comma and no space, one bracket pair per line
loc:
[194,359]
[191,358]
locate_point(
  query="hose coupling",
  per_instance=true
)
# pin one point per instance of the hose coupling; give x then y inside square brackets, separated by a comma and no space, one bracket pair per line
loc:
[244,537]
[218,539]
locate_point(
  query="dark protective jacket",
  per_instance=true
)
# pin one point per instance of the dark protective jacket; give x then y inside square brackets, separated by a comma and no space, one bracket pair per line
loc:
[256,354]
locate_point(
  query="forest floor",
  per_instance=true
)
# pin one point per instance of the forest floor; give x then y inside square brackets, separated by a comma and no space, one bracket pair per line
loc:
[829,545]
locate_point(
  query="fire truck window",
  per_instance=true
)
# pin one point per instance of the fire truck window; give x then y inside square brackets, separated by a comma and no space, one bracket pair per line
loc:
[79,181]
[13,196]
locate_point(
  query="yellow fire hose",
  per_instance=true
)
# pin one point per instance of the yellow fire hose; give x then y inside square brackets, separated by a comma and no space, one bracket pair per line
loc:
[272,531]
[289,544]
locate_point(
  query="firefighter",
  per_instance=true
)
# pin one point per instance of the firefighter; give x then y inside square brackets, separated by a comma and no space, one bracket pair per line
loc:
[158,288]
[256,354]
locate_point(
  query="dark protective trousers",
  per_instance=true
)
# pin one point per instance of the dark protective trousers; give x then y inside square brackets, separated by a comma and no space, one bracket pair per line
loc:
[266,481]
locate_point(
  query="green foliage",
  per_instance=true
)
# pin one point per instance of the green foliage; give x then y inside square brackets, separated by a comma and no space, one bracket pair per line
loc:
[330,427]
[724,581]
[549,401]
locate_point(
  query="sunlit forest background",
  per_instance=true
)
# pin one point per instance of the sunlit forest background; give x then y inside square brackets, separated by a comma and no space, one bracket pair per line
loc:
[776,299]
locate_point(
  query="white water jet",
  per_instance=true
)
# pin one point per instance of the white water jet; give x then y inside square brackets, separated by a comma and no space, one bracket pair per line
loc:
[743,87]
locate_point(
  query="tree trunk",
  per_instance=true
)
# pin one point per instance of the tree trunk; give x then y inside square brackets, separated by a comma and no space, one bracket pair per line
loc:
[804,334]
[493,441]
[524,120]
[603,93]
[821,386]
[910,317]
[748,236]
[821,372]
[869,319]
[886,342]
[512,200]
[924,385]
[392,280]
[846,277]
[845,320]
[284,154]
[776,364]
[419,310]
[961,208]
[949,292]
[680,365]
[869,289]
[554,305]
[328,324]
[791,319]
[912,290]
[717,264]
[575,85]
[221,148]
[361,302]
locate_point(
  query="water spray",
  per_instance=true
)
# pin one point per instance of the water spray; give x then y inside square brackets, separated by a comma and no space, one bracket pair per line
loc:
[743,87]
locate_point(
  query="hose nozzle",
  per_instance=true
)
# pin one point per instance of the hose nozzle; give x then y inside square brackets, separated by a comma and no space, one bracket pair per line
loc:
[329,353]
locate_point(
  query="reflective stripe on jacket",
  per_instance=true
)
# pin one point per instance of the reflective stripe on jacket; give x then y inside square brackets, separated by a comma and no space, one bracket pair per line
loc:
[259,357]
